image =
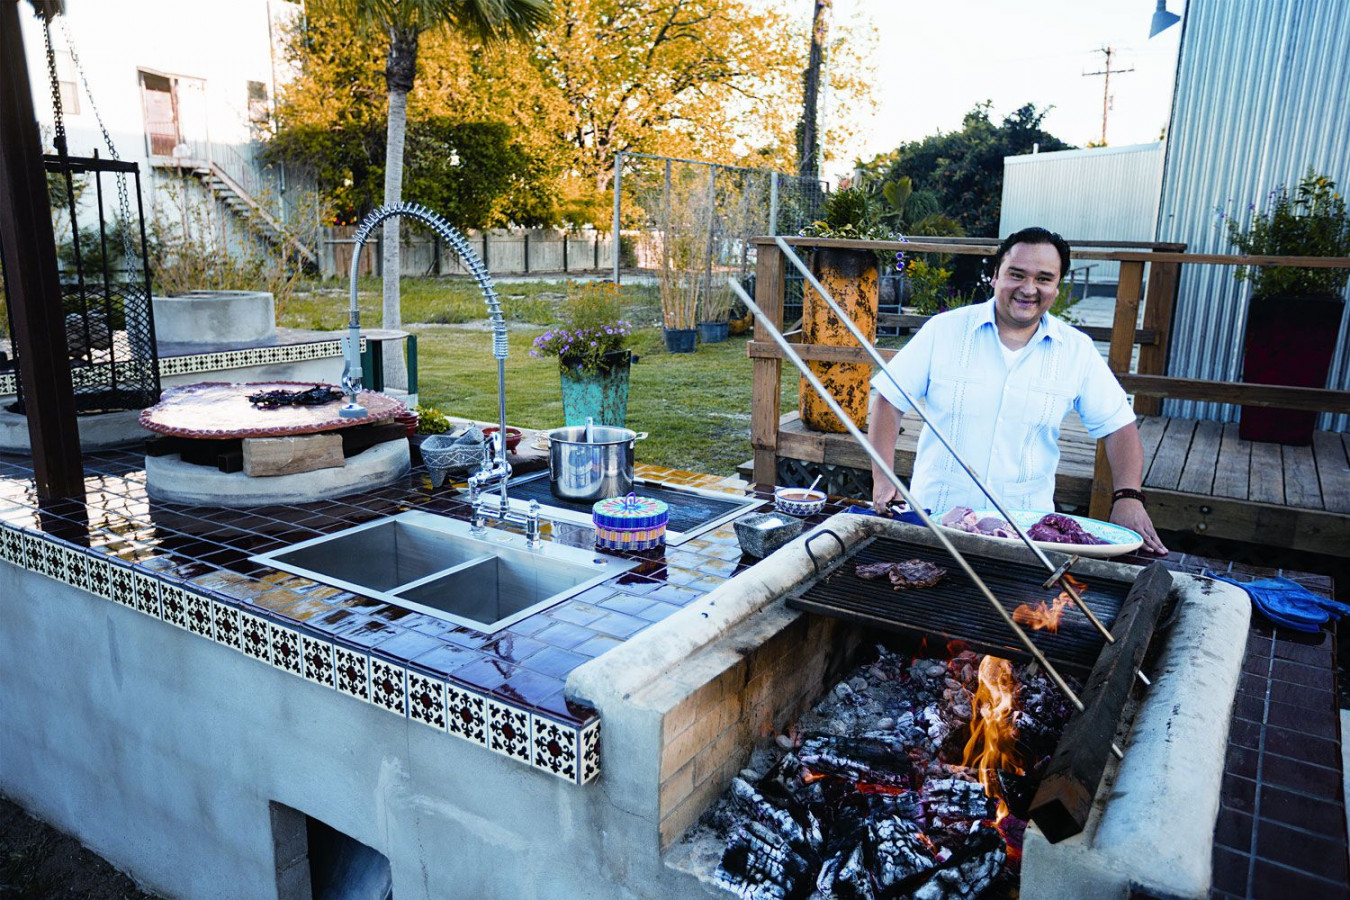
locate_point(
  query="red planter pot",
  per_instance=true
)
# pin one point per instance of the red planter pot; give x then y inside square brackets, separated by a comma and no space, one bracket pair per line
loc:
[1290,341]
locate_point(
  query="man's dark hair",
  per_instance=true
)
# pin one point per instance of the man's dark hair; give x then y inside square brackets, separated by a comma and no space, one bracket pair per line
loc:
[1034,236]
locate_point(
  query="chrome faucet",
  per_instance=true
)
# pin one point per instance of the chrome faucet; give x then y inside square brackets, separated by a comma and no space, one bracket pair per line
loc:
[493,470]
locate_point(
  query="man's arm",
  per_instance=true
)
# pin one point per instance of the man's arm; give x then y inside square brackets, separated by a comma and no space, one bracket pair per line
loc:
[1125,454]
[883,430]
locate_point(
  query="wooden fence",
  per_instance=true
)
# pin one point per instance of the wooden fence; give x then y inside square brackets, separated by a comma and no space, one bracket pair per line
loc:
[505,251]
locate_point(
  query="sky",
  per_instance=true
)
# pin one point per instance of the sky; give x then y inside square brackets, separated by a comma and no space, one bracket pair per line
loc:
[935,60]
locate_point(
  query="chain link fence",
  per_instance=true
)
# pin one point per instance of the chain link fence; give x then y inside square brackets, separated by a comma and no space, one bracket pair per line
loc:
[686,225]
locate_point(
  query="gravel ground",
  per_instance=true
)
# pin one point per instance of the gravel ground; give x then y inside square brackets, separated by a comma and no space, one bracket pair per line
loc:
[37,861]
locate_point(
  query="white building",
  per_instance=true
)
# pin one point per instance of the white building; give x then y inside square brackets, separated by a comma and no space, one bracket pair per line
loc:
[182,87]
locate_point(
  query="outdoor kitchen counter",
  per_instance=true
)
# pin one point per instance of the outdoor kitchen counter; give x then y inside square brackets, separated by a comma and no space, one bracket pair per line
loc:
[192,567]
[1282,817]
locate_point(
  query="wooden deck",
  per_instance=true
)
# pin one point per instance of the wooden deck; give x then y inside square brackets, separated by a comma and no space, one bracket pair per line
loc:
[1200,477]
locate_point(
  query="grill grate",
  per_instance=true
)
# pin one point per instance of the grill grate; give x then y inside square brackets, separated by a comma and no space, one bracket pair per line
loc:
[955,609]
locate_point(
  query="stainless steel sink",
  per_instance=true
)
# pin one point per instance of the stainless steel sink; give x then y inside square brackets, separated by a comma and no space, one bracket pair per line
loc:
[436,565]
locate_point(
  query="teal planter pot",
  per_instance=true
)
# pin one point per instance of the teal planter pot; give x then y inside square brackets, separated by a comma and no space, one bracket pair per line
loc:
[603,397]
[680,340]
[713,332]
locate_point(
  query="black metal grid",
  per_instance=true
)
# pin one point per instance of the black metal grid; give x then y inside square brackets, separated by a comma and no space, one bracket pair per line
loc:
[105,289]
[955,609]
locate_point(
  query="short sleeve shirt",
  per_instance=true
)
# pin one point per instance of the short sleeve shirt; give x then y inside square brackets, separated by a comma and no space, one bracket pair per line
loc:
[1003,421]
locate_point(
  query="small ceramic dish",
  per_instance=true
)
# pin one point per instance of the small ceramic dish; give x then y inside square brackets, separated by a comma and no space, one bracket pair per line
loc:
[513,436]
[798,501]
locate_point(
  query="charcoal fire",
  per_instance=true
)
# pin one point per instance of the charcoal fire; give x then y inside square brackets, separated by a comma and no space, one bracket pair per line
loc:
[910,779]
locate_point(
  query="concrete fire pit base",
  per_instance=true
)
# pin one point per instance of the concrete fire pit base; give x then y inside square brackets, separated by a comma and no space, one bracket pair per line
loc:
[169,478]
[684,702]
[1152,822]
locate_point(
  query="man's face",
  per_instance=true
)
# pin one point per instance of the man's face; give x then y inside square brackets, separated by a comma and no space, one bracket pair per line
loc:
[1026,284]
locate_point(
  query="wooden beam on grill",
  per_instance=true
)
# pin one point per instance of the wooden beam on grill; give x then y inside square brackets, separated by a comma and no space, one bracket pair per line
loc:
[34,289]
[1064,799]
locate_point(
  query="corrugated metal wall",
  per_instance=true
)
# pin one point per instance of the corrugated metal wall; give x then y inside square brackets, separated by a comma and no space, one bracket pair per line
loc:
[1102,193]
[1263,91]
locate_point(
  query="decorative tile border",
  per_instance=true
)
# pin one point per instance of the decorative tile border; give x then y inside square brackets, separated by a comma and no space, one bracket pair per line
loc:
[318,660]
[562,749]
[466,714]
[508,731]
[426,700]
[209,362]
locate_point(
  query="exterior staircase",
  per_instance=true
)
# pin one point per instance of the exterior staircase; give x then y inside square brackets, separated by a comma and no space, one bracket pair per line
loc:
[229,191]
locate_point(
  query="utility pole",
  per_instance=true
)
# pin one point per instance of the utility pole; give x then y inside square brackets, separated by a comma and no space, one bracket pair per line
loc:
[808,127]
[1109,51]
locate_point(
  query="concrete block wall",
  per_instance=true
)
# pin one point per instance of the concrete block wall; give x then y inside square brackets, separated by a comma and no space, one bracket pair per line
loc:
[169,756]
[738,691]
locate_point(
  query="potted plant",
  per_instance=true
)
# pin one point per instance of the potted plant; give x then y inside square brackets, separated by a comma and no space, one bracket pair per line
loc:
[1294,317]
[686,215]
[591,344]
[850,277]
[714,321]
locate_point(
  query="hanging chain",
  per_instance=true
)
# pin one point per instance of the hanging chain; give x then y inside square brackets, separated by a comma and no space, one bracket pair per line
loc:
[123,202]
[59,118]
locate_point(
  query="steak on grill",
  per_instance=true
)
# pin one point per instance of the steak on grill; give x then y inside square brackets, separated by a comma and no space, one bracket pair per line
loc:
[910,573]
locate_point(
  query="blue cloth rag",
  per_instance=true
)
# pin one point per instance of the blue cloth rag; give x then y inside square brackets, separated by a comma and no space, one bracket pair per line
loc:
[909,516]
[1287,603]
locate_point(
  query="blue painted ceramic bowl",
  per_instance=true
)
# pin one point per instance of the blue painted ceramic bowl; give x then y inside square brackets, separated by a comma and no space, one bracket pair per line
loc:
[798,501]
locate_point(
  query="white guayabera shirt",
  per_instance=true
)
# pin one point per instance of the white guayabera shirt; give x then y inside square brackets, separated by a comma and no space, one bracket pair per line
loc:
[1004,420]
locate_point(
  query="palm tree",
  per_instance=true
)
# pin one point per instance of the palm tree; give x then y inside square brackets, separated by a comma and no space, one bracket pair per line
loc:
[404,21]
[808,134]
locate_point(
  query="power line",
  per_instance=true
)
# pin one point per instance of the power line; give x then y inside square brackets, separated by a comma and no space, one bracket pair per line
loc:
[1109,51]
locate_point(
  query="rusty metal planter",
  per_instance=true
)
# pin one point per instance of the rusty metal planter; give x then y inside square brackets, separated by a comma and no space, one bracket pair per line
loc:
[851,278]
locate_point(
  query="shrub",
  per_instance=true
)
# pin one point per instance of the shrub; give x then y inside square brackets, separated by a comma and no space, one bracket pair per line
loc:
[1311,222]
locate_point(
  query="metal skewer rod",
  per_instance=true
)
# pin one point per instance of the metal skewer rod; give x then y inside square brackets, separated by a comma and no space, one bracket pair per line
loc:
[881,364]
[946,543]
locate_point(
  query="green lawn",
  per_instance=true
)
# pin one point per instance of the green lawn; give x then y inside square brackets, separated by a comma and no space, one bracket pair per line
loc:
[694,407]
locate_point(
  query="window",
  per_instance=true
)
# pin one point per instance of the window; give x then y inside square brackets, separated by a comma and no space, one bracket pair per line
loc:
[259,113]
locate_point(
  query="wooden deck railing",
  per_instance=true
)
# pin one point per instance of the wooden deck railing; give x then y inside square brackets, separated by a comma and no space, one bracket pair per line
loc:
[1148,383]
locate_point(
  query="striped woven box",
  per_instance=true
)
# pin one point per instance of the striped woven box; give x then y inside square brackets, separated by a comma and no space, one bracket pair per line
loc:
[630,523]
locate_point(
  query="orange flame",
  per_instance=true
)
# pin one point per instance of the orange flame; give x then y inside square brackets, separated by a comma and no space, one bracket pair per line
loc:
[993,736]
[1042,616]
[1046,617]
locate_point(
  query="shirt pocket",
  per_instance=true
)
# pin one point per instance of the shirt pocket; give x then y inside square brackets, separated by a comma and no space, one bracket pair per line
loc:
[1047,405]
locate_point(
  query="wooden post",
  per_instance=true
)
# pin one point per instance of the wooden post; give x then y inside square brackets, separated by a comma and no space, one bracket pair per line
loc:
[34,288]
[767,374]
[1064,799]
[1158,307]
[1118,359]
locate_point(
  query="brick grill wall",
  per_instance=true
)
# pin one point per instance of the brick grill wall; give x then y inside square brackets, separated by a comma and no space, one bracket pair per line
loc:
[738,691]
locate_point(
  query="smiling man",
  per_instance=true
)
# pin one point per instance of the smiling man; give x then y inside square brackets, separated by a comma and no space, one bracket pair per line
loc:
[998,378]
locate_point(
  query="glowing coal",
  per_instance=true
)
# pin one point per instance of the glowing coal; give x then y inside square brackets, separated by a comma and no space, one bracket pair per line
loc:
[910,778]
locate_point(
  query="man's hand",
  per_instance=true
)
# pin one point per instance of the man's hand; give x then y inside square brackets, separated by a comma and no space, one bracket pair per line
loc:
[883,492]
[1131,514]
[882,433]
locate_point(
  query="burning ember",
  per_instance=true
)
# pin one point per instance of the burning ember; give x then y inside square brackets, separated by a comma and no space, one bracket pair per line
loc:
[909,779]
[1046,617]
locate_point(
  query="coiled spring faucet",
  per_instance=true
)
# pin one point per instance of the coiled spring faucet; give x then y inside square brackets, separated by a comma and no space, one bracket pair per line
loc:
[494,470]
